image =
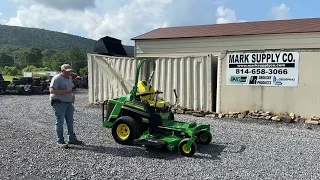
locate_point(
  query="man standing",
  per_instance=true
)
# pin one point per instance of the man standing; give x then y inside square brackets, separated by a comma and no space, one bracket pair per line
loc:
[62,100]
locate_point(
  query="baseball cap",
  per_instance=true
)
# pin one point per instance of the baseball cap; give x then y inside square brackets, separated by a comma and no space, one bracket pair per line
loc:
[66,67]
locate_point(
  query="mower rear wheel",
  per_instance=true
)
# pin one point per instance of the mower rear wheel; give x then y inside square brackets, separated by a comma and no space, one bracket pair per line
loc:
[187,152]
[125,129]
[204,137]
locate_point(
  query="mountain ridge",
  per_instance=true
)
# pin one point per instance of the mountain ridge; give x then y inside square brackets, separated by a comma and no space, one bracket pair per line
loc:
[24,37]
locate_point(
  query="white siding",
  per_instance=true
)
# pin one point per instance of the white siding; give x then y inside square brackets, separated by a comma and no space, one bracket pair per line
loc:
[303,100]
[190,76]
[213,45]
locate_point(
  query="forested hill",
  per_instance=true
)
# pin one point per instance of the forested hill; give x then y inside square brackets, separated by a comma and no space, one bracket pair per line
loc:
[22,37]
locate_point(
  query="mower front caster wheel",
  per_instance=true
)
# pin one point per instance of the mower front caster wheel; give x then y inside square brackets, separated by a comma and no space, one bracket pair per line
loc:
[204,137]
[183,148]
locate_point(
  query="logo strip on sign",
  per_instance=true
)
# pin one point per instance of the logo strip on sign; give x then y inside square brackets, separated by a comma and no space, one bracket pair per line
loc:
[263,69]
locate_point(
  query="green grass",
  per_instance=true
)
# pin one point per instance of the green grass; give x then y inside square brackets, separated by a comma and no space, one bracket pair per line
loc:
[8,78]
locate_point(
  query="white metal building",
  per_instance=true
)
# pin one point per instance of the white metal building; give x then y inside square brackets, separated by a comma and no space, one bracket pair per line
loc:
[216,67]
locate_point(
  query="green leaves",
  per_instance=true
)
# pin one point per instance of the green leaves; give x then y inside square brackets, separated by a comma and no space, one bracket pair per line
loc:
[84,71]
[77,59]
[37,59]
[6,60]
[10,71]
[32,56]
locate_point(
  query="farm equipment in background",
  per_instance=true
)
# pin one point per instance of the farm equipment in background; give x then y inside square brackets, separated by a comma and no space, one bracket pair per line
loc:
[81,82]
[3,85]
[20,85]
[74,76]
[42,82]
[28,85]
[141,118]
[36,83]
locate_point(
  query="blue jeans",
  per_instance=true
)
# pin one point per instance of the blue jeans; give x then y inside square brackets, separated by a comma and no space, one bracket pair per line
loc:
[64,111]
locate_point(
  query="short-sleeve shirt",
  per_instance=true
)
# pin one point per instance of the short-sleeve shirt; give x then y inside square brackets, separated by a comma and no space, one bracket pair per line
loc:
[61,82]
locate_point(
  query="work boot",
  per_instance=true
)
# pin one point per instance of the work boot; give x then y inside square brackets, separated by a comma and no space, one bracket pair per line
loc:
[76,142]
[62,145]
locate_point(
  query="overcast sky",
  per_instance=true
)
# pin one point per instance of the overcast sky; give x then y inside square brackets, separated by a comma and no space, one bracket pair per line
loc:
[125,19]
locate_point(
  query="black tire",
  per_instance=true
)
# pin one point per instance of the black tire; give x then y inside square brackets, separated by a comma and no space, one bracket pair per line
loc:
[126,122]
[20,90]
[204,137]
[171,116]
[189,153]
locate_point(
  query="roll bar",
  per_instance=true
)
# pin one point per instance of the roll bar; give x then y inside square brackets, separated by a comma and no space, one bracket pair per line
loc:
[133,92]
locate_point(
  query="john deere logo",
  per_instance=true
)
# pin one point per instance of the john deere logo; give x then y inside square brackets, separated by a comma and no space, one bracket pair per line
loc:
[238,79]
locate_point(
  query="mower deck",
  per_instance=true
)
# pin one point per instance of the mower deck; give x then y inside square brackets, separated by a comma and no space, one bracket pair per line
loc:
[151,142]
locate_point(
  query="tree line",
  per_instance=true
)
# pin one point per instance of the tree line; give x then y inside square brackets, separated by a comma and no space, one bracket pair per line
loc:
[13,62]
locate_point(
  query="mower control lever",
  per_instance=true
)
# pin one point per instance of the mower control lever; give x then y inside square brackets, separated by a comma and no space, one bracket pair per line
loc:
[175,93]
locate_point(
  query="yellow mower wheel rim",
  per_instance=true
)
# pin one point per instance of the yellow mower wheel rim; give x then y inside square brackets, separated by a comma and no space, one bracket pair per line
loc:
[185,150]
[123,131]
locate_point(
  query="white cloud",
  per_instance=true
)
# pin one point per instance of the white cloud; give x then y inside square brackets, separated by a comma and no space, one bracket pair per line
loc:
[34,16]
[138,17]
[2,21]
[40,15]
[130,20]
[226,15]
[280,12]
[163,25]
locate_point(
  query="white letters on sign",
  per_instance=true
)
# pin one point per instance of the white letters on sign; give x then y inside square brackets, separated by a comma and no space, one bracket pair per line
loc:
[263,69]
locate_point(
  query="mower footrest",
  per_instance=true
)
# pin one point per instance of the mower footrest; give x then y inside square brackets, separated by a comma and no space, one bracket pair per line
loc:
[151,142]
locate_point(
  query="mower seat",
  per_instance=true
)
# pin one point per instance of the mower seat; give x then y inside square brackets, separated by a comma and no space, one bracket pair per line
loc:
[145,87]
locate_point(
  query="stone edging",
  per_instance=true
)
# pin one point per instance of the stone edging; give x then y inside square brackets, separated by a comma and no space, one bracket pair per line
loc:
[253,114]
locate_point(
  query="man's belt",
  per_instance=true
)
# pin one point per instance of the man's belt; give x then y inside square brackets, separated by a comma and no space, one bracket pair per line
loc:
[57,101]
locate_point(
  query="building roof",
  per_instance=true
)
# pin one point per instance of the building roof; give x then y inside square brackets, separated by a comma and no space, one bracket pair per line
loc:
[235,29]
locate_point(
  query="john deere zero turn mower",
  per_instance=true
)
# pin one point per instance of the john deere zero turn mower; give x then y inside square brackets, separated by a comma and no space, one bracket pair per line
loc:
[141,118]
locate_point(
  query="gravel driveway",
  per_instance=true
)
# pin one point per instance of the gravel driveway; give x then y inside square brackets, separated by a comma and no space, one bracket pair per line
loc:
[242,150]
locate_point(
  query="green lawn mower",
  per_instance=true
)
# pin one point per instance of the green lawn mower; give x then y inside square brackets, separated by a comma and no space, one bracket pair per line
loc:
[141,118]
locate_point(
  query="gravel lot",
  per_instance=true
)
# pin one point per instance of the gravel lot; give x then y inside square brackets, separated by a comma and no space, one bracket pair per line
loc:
[241,150]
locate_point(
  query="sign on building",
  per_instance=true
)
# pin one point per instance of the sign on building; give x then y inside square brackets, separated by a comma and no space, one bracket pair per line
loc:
[263,69]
